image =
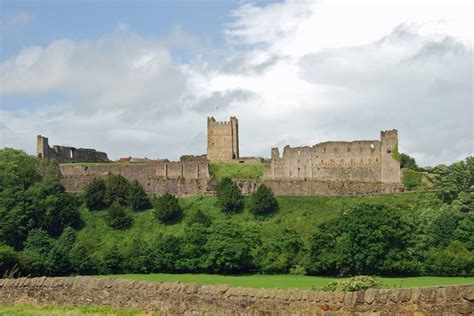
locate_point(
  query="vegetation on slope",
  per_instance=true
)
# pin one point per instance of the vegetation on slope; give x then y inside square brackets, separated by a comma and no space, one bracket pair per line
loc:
[48,231]
[236,170]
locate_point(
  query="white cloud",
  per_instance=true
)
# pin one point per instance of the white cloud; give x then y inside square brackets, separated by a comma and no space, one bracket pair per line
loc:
[294,73]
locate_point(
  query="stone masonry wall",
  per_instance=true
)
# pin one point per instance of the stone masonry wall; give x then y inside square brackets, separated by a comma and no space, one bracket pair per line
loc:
[222,140]
[190,299]
[64,154]
[179,178]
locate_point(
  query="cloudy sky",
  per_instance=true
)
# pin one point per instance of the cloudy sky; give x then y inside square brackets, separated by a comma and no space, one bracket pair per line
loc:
[139,79]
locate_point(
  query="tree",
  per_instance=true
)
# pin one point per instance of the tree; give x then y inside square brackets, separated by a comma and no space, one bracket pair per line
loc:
[112,261]
[17,169]
[167,209]
[282,254]
[8,259]
[408,162]
[35,258]
[118,189]
[137,198]
[95,194]
[193,253]
[81,260]
[454,260]
[262,202]
[59,253]
[229,197]
[117,217]
[165,253]
[228,250]
[137,257]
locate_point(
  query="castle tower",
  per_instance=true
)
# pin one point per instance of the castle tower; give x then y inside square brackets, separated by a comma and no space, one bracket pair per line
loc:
[42,147]
[222,140]
[389,157]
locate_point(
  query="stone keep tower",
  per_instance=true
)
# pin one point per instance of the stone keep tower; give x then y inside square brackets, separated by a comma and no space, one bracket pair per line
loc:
[390,164]
[222,140]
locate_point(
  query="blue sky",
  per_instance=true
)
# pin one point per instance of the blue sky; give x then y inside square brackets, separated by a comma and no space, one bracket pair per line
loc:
[139,78]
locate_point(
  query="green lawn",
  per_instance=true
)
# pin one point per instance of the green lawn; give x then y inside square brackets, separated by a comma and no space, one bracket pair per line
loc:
[287,281]
[50,309]
[236,170]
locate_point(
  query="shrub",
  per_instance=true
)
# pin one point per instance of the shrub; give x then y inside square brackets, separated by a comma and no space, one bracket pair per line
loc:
[118,189]
[167,208]
[198,217]
[353,284]
[137,198]
[117,218]
[411,179]
[262,201]
[229,197]
[95,194]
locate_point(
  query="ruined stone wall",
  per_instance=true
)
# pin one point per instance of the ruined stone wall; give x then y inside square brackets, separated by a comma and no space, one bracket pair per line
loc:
[314,187]
[190,299]
[64,154]
[357,161]
[179,178]
[222,140]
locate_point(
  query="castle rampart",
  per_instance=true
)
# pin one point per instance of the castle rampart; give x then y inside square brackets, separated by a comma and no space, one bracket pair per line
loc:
[357,161]
[64,154]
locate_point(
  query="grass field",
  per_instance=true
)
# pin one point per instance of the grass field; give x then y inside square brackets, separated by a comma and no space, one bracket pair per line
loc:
[287,281]
[236,170]
[302,213]
[46,310]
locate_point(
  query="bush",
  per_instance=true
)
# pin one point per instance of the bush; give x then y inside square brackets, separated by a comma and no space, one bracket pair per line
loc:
[95,194]
[353,284]
[198,217]
[229,197]
[167,208]
[411,179]
[454,260]
[117,218]
[8,259]
[262,202]
[118,189]
[137,198]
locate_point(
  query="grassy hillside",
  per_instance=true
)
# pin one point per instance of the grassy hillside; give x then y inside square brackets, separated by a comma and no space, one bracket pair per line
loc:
[302,213]
[236,170]
[287,281]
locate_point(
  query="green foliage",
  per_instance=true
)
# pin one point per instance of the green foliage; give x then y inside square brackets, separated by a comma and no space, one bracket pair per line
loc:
[368,239]
[282,254]
[353,284]
[411,179]
[95,194]
[17,169]
[454,260]
[229,197]
[408,162]
[457,178]
[137,198]
[112,261]
[167,209]
[193,254]
[262,202]
[118,189]
[8,259]
[165,253]
[82,261]
[117,217]
[198,217]
[228,249]
[60,250]
[236,170]
[35,258]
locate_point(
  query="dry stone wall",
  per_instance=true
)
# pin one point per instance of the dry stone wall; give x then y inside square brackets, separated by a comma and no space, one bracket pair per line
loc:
[190,299]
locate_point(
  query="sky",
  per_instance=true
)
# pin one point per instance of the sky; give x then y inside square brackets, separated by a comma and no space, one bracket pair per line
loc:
[139,78]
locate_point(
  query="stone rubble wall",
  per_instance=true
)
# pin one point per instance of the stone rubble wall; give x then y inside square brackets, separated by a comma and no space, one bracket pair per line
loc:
[190,299]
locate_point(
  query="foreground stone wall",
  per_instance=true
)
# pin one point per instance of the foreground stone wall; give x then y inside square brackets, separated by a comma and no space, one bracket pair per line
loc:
[189,299]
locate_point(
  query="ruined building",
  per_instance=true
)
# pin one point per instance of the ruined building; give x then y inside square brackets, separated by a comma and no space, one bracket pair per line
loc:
[369,161]
[63,154]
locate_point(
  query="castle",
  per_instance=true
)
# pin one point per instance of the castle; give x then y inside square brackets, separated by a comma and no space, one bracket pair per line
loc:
[328,168]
